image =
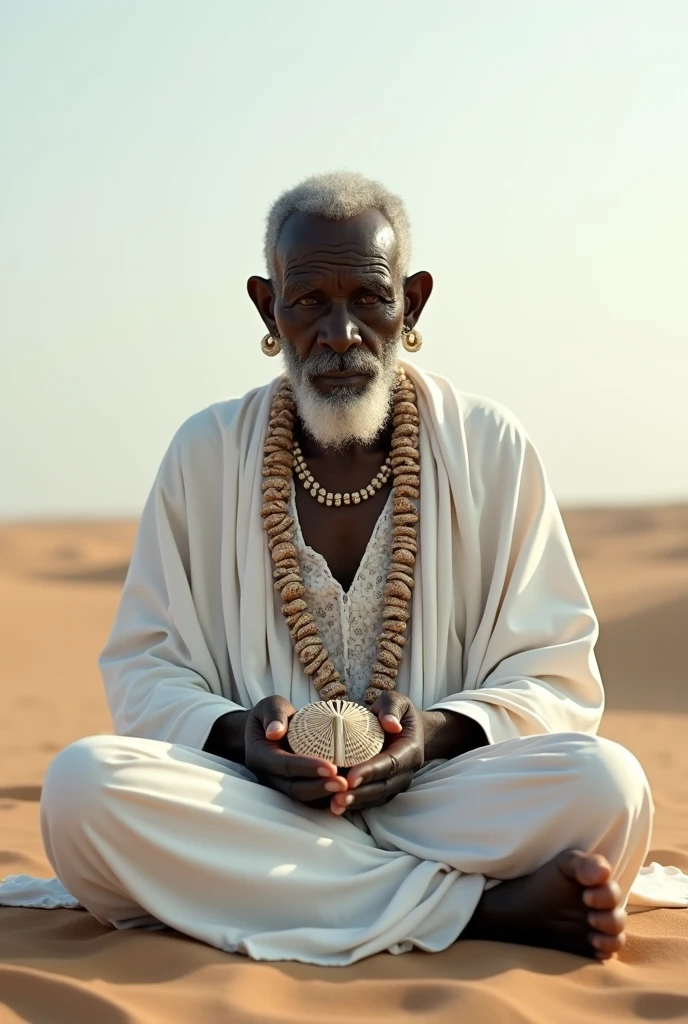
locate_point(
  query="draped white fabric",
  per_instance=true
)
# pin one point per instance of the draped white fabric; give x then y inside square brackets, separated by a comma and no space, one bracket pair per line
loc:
[502,629]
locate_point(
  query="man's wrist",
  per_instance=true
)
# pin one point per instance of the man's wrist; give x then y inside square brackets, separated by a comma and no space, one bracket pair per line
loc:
[226,737]
[449,734]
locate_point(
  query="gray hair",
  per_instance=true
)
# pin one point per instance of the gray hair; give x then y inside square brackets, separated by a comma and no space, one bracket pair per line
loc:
[336,196]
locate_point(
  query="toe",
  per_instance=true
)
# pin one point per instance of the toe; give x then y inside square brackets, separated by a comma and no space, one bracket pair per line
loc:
[603,897]
[591,869]
[588,869]
[609,922]
[607,944]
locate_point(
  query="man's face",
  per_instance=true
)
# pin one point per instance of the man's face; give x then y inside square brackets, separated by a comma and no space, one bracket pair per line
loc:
[339,307]
[339,294]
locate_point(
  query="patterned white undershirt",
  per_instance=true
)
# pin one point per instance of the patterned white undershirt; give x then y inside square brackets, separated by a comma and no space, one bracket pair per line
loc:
[348,621]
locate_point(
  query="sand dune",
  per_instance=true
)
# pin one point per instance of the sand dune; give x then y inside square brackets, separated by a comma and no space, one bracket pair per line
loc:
[59,585]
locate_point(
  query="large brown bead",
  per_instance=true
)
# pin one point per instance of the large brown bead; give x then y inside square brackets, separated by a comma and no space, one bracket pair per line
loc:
[277,483]
[297,621]
[404,555]
[279,459]
[335,688]
[408,429]
[403,442]
[405,407]
[277,470]
[310,629]
[384,670]
[291,577]
[404,544]
[382,682]
[277,494]
[389,648]
[394,638]
[307,641]
[277,443]
[324,673]
[404,531]
[272,508]
[292,607]
[308,654]
[404,419]
[314,665]
[389,659]
[281,432]
[282,551]
[400,572]
[293,591]
[405,519]
[281,571]
[395,588]
[396,602]
[276,519]
[402,505]
[394,612]
[408,492]
[405,450]
[290,563]
[404,464]
[408,479]
[280,538]
[285,523]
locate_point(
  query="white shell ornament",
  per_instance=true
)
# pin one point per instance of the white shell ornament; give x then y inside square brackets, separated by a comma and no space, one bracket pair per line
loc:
[341,731]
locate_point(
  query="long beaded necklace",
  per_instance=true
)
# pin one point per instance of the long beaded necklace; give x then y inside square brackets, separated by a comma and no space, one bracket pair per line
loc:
[279,459]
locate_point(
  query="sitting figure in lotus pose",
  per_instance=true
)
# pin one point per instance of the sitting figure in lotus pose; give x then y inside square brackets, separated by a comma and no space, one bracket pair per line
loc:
[356,530]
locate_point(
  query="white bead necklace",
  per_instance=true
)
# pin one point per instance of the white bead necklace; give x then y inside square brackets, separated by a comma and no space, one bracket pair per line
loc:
[329,498]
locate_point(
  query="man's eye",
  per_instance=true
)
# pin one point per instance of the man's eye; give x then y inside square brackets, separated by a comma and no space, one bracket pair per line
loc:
[369,299]
[307,300]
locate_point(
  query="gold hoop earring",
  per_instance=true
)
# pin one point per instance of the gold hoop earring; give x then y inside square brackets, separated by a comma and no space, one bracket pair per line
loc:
[271,346]
[411,339]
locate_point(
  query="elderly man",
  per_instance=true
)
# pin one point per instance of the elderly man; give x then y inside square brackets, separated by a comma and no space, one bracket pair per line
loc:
[423,569]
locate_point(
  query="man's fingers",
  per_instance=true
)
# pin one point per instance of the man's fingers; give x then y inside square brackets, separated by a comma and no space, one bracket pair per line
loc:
[275,713]
[388,762]
[390,708]
[306,791]
[373,794]
[267,758]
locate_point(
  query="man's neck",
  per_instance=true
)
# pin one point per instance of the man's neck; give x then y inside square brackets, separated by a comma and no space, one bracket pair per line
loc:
[347,455]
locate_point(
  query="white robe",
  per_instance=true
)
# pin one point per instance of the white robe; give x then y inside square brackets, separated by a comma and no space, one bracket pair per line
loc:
[502,630]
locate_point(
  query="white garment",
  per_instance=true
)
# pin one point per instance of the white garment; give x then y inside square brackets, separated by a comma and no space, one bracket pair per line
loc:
[502,630]
[137,827]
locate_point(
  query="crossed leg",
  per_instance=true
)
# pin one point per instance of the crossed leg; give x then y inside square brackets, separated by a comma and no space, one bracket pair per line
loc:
[136,827]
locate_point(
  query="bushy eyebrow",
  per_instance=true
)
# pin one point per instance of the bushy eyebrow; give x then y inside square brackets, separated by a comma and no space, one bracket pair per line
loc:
[296,286]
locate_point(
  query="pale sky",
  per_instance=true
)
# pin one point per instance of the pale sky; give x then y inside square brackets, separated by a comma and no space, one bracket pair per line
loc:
[542,150]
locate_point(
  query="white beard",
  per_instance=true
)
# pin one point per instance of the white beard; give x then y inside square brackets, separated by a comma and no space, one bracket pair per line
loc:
[345,416]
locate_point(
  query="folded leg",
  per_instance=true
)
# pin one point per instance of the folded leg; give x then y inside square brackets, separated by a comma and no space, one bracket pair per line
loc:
[505,810]
[136,827]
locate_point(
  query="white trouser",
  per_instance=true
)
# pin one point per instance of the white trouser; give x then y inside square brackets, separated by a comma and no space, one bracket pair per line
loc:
[136,827]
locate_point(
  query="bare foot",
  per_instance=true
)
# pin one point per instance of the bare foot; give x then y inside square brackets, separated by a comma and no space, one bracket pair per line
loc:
[568,904]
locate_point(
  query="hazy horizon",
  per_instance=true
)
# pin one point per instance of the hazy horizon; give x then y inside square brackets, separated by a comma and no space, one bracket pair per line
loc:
[542,151]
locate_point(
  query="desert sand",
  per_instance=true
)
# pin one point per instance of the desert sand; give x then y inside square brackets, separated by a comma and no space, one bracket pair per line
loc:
[59,586]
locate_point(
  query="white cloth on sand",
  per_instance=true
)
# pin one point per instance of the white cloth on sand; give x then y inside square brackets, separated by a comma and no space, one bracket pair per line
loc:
[502,630]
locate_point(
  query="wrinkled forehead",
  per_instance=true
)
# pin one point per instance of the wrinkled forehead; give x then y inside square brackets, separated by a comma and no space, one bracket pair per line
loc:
[365,241]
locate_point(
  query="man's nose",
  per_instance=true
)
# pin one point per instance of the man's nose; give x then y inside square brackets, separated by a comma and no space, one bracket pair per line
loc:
[338,331]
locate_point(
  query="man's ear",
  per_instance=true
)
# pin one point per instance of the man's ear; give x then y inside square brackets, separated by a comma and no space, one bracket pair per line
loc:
[417,291]
[263,297]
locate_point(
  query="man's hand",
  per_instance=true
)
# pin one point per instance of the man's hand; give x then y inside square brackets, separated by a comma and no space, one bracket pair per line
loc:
[311,780]
[413,737]
[390,772]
